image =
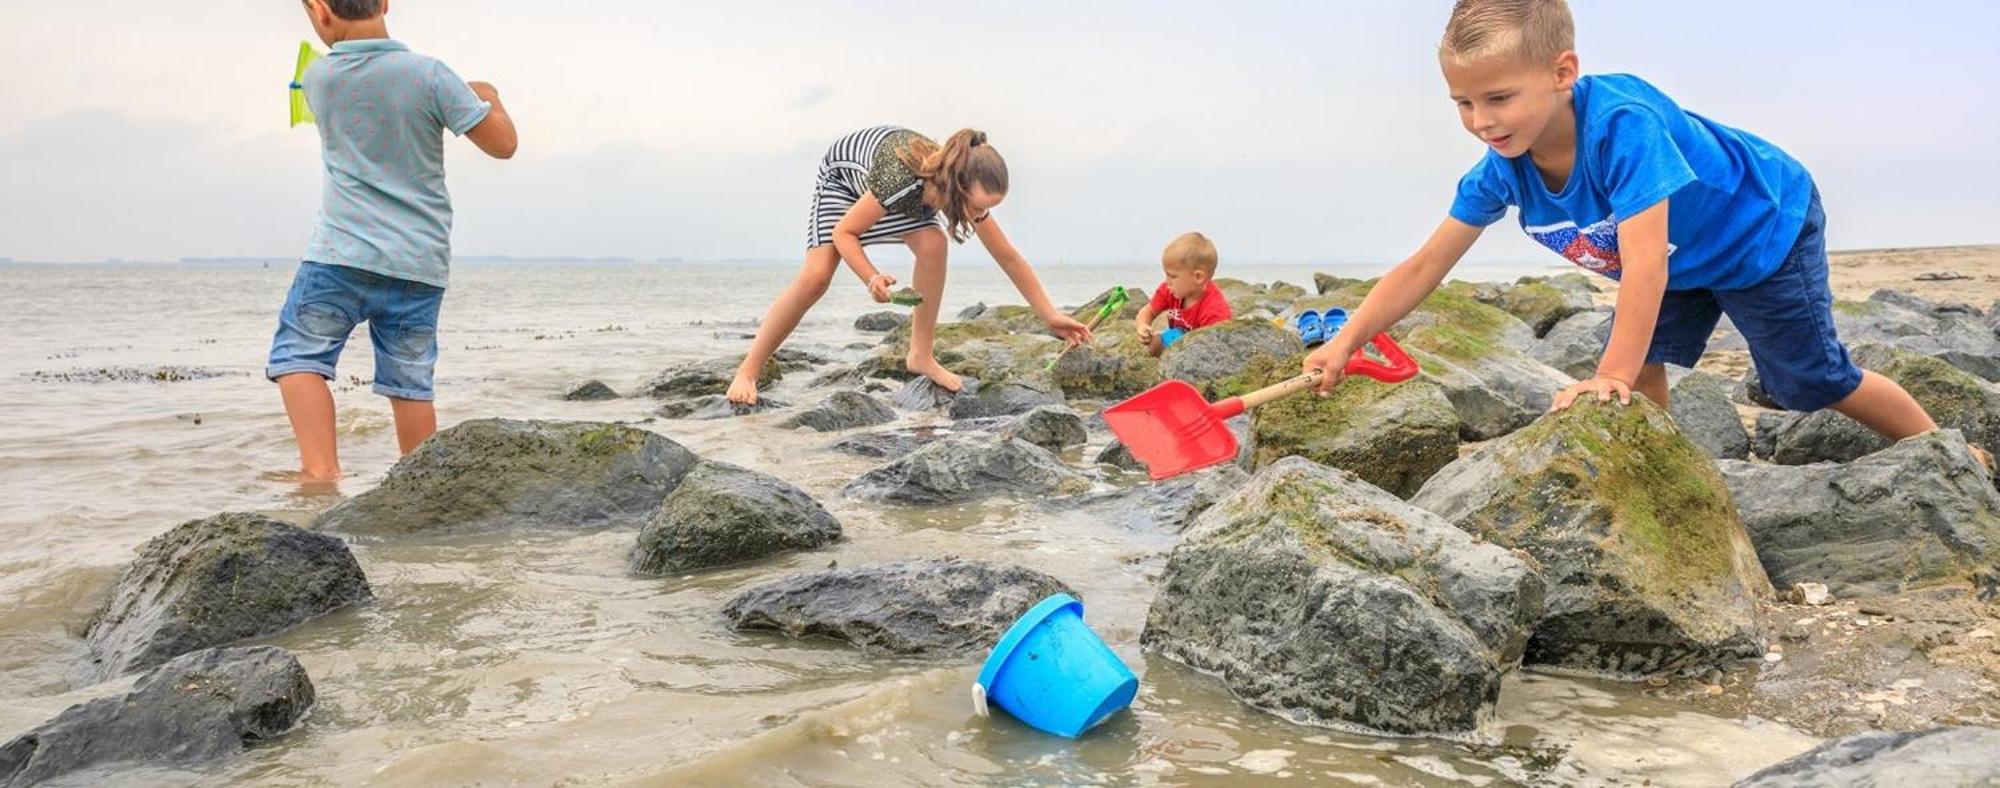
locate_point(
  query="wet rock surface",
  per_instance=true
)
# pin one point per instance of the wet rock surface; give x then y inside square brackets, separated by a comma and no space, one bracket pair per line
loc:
[968,468]
[702,378]
[589,391]
[941,607]
[843,410]
[716,406]
[1940,756]
[722,514]
[1700,404]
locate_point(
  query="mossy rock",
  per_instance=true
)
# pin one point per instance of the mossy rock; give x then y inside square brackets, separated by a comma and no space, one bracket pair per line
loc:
[987,349]
[499,473]
[1450,322]
[1393,436]
[1649,566]
[1115,365]
[1246,297]
[1135,300]
[1537,301]
[1207,355]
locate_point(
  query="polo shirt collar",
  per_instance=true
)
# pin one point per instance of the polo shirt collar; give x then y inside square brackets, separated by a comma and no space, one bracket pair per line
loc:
[369,45]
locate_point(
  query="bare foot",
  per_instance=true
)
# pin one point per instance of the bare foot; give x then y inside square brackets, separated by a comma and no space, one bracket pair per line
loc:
[930,368]
[743,391]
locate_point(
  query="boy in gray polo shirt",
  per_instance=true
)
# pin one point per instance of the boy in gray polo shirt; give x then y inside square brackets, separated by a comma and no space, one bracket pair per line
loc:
[382,247]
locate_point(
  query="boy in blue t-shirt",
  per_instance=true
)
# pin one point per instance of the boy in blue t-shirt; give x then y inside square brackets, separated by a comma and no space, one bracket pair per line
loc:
[1694,219]
[382,247]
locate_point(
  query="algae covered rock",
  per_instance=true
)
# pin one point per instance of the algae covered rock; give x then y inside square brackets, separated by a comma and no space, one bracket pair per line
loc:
[1166,505]
[722,514]
[702,378]
[1220,351]
[500,473]
[589,391]
[999,345]
[1249,298]
[216,581]
[1921,512]
[940,607]
[1954,399]
[1116,364]
[1649,567]
[968,468]
[192,712]
[1010,398]
[1541,302]
[1052,427]
[1394,436]
[1958,337]
[1962,756]
[1700,404]
[843,410]
[1316,595]
[715,406]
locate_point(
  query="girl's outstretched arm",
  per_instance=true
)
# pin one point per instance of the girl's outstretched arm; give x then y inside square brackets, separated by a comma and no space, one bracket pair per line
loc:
[847,241]
[1024,279]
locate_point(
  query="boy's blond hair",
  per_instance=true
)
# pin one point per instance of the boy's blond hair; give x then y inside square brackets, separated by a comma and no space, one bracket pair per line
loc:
[1532,30]
[1192,250]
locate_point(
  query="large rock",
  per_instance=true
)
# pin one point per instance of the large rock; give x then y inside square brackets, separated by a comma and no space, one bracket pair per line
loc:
[1922,511]
[1116,364]
[1649,567]
[722,514]
[1700,404]
[1052,427]
[499,473]
[1392,435]
[1166,505]
[1002,344]
[1575,345]
[1941,756]
[1220,351]
[715,406]
[1477,353]
[216,581]
[589,391]
[1009,398]
[1954,399]
[921,608]
[881,321]
[702,378]
[1541,302]
[1956,336]
[920,394]
[843,410]
[1316,595]
[1326,283]
[1248,299]
[968,468]
[192,712]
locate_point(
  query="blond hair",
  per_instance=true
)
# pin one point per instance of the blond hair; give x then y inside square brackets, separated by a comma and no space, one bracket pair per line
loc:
[949,172]
[1531,30]
[1192,250]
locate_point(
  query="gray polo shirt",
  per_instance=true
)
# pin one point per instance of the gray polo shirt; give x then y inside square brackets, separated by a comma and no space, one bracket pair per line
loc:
[382,111]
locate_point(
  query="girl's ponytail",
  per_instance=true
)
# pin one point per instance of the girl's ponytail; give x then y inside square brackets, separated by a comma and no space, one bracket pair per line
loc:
[951,170]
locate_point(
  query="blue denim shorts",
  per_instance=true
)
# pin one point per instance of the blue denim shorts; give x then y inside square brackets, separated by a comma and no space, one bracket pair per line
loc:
[1787,319]
[328,301]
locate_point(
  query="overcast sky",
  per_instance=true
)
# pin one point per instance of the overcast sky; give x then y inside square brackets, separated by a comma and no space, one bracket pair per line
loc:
[1309,131]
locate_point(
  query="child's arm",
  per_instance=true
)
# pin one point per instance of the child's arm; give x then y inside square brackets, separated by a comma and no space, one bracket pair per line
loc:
[1147,314]
[847,241]
[494,135]
[1400,291]
[1642,248]
[1017,270]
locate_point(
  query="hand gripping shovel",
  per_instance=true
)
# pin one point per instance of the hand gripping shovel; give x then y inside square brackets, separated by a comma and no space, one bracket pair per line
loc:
[1112,304]
[1173,430]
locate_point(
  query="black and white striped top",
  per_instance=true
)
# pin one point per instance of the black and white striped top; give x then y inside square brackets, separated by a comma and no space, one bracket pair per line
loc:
[866,162]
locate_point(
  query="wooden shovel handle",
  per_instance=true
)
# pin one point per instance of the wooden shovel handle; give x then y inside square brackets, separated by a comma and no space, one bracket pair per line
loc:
[1280,389]
[1400,368]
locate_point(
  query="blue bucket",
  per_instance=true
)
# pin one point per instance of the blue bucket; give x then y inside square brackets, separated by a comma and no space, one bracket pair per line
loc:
[1331,320]
[1051,672]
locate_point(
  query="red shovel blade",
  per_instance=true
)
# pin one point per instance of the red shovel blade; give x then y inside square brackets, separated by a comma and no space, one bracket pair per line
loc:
[1172,430]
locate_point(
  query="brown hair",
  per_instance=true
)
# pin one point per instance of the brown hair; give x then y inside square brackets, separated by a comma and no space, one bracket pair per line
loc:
[949,172]
[1535,30]
[1193,250]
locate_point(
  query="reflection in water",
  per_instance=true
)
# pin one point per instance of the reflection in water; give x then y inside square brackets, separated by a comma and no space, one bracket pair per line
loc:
[533,658]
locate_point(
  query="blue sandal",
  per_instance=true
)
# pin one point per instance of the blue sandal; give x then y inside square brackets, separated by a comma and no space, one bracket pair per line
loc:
[1311,330]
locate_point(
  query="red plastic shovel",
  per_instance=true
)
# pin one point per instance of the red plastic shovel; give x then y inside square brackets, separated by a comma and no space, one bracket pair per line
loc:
[1171,429]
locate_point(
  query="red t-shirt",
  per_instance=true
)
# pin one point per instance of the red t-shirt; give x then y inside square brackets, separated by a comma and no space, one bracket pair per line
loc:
[1211,309]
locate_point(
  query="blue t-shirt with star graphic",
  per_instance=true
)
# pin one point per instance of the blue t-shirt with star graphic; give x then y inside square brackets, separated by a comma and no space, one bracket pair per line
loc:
[1736,204]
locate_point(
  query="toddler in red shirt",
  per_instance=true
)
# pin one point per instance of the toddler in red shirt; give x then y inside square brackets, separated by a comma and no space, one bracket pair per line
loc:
[1189,297]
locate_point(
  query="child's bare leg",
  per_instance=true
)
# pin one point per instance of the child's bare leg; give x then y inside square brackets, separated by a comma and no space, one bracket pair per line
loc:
[784,315]
[929,247]
[309,405]
[1652,383]
[1883,406]
[416,420]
